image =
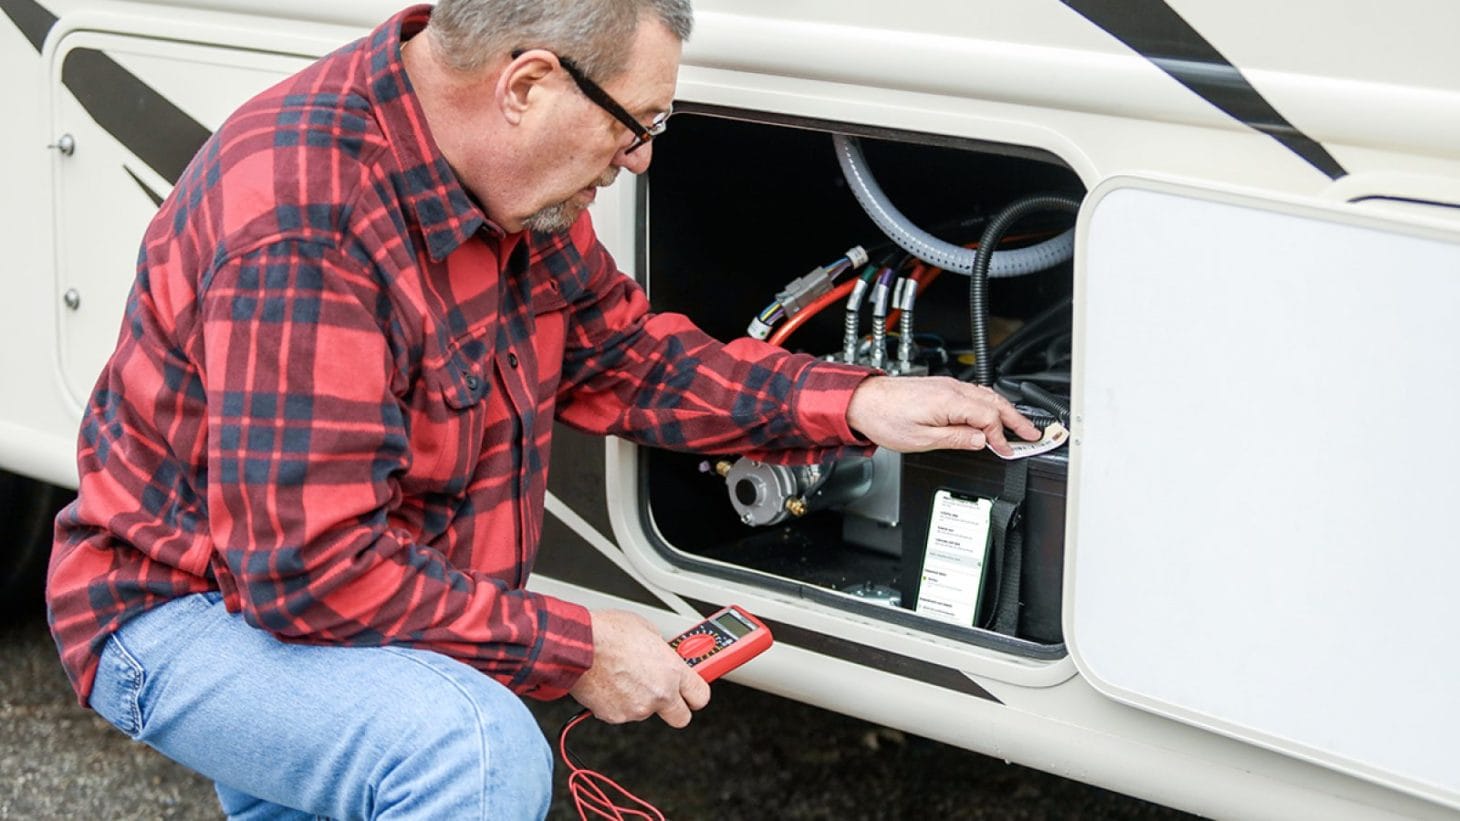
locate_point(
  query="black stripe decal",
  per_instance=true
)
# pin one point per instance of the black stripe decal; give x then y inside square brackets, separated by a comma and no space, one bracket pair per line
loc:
[146,189]
[159,133]
[31,18]
[142,120]
[865,656]
[1155,31]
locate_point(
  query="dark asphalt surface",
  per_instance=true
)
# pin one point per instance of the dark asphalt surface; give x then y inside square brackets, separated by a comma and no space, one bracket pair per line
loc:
[747,756]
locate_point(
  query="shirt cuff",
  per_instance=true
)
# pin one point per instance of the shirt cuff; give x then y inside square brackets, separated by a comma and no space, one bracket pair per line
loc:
[565,650]
[823,392]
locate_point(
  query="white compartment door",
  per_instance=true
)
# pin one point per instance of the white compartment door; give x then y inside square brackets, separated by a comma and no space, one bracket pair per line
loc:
[1264,531]
[136,110]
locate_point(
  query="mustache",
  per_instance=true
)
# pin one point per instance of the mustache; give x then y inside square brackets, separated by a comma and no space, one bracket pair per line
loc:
[607,177]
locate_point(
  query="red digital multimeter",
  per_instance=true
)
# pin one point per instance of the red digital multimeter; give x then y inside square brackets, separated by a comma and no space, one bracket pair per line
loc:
[714,647]
[722,642]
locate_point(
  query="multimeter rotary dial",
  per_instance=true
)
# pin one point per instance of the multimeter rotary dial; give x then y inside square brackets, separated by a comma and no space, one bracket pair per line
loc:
[695,646]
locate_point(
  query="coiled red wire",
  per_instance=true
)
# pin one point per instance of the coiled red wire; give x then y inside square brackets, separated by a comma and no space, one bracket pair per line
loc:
[595,795]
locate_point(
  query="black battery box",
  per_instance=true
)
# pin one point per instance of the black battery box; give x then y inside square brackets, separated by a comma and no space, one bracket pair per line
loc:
[980,474]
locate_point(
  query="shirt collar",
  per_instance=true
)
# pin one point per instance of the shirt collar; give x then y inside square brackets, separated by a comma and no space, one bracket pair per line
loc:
[446,214]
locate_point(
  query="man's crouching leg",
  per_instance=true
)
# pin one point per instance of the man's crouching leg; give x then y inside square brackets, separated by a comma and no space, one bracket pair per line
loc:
[302,731]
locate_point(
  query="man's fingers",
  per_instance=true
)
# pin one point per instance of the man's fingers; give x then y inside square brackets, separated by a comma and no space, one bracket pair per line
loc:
[1018,423]
[694,691]
[677,714]
[913,414]
[694,694]
[969,438]
[1007,417]
[996,441]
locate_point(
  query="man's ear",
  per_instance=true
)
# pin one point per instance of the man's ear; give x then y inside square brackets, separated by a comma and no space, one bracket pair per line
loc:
[521,84]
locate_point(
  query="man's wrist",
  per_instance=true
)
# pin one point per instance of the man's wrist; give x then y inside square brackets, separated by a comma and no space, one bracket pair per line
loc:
[823,400]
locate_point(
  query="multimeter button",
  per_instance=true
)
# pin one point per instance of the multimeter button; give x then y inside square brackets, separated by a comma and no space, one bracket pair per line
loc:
[695,646]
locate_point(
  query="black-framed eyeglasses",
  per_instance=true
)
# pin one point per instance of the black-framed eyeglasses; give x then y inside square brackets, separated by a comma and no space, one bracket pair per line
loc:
[593,91]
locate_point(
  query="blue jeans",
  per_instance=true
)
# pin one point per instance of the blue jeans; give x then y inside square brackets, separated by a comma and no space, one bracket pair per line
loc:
[297,731]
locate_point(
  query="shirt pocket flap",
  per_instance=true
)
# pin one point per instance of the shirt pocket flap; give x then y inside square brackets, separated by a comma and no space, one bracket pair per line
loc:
[547,292]
[459,377]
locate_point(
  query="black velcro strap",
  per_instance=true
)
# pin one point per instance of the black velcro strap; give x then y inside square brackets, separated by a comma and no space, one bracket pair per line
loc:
[1008,547]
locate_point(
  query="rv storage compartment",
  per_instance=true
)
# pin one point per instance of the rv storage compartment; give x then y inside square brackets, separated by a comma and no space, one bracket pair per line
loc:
[736,210]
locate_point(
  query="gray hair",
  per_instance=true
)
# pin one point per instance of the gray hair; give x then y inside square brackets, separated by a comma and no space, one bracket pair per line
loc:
[595,34]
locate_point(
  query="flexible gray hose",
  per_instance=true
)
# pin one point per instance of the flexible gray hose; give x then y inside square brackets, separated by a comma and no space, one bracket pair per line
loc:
[929,248]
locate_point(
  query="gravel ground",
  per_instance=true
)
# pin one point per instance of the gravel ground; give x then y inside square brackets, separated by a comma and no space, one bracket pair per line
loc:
[791,762]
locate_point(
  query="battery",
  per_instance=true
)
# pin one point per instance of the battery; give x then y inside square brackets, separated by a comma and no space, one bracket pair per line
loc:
[980,474]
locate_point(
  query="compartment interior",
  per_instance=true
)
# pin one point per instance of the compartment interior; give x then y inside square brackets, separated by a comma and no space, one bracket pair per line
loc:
[734,208]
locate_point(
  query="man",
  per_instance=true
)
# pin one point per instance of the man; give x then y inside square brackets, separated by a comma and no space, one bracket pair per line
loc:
[312,473]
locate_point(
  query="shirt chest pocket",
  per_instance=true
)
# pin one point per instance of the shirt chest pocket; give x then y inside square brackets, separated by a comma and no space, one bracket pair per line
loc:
[448,419]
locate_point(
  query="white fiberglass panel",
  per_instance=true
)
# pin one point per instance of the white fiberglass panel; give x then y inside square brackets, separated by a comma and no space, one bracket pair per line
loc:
[1264,479]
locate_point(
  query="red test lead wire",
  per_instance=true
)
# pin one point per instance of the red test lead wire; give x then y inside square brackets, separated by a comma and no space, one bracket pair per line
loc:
[595,793]
[727,639]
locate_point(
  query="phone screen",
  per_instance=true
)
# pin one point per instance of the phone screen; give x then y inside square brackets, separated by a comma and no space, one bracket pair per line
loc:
[954,555]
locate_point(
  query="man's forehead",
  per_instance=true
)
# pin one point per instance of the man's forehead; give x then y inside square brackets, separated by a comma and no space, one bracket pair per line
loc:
[648,81]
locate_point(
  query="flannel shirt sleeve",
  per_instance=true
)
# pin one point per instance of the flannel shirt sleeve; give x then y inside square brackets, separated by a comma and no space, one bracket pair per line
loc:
[659,380]
[306,439]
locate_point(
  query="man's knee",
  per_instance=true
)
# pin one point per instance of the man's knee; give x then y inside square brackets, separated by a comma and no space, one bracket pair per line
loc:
[471,749]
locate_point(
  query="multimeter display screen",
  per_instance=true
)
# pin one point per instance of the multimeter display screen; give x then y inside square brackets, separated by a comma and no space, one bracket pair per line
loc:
[732,625]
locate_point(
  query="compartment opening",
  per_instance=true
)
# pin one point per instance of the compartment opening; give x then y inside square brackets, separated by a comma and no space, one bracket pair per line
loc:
[735,209]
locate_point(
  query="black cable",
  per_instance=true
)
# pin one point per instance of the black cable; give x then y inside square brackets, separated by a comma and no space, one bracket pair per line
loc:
[1011,358]
[1037,324]
[978,281]
[1052,320]
[1060,349]
[1026,391]
[1045,379]
[1041,398]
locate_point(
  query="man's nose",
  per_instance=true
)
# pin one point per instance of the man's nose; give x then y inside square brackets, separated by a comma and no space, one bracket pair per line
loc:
[638,161]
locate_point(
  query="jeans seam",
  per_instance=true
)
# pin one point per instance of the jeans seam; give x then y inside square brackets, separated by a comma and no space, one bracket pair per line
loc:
[136,676]
[481,722]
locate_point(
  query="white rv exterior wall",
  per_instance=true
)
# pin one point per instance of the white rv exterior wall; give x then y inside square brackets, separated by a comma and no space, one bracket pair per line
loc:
[1377,85]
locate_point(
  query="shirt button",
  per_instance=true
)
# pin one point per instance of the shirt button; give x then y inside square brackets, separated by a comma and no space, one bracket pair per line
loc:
[512,359]
[472,383]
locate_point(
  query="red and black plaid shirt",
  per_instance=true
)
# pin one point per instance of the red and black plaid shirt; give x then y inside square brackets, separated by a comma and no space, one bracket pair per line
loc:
[335,386]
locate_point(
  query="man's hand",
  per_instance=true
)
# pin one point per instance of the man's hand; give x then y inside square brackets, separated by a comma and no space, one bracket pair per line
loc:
[635,674]
[911,414]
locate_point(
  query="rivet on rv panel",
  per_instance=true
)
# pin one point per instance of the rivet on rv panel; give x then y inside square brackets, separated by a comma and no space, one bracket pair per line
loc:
[72,299]
[66,145]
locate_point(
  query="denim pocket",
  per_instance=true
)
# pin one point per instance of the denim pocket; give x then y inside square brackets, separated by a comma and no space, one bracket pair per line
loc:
[117,692]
